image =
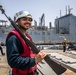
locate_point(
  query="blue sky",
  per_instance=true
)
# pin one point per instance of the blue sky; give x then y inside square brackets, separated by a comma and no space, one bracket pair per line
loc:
[51,8]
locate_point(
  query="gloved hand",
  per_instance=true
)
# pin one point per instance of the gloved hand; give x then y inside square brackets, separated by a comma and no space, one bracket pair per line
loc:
[41,55]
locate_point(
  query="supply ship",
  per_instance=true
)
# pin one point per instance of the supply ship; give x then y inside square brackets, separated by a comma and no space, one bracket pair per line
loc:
[65,27]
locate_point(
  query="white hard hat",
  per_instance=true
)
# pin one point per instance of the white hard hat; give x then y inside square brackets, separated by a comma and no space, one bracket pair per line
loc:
[22,14]
[65,39]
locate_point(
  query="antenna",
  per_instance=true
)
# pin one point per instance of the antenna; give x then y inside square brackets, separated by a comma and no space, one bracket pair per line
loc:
[66,10]
[60,13]
[69,9]
[39,21]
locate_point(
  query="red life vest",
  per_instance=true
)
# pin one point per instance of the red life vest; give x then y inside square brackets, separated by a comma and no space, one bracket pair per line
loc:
[27,53]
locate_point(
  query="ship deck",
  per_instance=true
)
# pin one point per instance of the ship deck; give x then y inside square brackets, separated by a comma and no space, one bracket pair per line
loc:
[4,67]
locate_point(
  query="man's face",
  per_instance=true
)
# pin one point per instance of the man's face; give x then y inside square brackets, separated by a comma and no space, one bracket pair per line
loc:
[24,23]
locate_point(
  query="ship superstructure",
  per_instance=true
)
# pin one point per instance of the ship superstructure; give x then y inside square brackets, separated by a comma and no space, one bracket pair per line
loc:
[65,27]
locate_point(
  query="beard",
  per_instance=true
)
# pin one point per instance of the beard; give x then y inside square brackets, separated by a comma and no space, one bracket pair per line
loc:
[23,28]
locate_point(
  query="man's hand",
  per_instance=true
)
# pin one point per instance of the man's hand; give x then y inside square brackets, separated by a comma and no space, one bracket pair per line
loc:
[41,55]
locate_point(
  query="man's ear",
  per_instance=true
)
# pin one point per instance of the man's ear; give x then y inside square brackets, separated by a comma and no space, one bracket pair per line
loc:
[17,20]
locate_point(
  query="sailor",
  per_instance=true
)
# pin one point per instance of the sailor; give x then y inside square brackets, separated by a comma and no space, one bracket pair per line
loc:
[1,49]
[19,55]
[64,45]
